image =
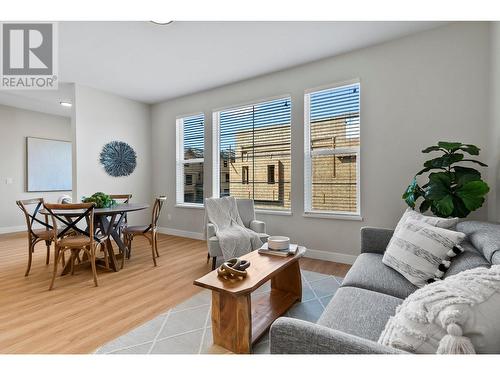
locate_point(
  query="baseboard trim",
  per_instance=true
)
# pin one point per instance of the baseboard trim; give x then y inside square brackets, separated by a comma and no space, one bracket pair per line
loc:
[182,233]
[330,256]
[5,230]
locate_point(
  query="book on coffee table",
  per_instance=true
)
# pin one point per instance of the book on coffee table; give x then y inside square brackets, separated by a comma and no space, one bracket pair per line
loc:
[292,249]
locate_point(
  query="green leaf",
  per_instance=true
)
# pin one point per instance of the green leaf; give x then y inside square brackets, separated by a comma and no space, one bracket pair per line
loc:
[450,146]
[459,209]
[439,186]
[475,161]
[444,206]
[443,161]
[472,194]
[423,171]
[470,149]
[432,148]
[464,175]
[424,206]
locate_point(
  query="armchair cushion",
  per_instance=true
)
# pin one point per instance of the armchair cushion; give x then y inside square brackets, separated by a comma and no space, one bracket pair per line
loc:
[246,211]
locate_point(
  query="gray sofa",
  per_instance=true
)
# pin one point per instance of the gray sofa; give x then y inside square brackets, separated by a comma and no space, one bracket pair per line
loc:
[370,293]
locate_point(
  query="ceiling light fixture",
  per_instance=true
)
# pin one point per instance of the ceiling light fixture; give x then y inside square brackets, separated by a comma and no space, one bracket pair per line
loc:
[161,23]
[66,104]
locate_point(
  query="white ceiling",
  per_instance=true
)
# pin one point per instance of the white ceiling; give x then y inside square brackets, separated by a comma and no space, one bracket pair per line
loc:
[46,101]
[151,63]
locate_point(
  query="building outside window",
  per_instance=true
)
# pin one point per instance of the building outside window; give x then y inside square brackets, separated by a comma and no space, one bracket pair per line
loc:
[190,160]
[260,135]
[332,144]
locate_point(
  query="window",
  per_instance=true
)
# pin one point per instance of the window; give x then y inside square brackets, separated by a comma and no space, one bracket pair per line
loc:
[244,175]
[332,144]
[252,138]
[270,174]
[190,157]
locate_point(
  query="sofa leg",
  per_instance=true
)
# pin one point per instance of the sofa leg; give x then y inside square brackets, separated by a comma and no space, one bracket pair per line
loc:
[214,262]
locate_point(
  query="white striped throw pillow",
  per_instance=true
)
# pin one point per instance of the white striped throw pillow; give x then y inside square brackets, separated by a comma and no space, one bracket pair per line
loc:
[422,252]
[435,221]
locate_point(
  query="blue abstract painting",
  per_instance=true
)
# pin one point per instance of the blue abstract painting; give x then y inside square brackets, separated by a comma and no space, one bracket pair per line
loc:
[118,159]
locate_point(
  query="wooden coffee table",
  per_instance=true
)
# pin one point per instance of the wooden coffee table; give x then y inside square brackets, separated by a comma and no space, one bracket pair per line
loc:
[238,320]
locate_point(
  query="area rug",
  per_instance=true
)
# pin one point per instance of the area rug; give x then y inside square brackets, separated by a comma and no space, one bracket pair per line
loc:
[186,328]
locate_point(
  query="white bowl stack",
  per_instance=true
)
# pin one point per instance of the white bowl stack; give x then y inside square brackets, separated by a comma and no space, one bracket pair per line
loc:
[278,243]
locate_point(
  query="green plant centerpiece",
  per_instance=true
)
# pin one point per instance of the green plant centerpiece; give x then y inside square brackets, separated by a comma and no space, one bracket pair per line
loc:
[100,199]
[452,189]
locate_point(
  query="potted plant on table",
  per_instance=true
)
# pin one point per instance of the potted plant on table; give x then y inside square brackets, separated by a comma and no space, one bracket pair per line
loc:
[100,199]
[452,189]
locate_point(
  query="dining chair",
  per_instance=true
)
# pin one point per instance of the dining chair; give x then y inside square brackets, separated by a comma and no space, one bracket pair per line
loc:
[80,241]
[149,231]
[122,198]
[31,209]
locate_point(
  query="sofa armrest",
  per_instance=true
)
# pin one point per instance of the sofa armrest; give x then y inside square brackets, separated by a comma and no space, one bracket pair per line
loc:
[293,336]
[258,226]
[375,240]
[210,230]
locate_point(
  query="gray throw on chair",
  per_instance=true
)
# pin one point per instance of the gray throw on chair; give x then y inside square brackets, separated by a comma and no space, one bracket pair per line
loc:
[234,238]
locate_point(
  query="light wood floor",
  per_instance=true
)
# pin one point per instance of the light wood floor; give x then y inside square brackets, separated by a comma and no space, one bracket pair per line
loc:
[76,317]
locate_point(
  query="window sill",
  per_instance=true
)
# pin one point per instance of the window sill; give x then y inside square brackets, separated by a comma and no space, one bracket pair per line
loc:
[273,212]
[334,216]
[188,205]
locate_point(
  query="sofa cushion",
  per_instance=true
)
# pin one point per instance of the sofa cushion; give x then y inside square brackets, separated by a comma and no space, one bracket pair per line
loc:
[359,312]
[368,272]
[484,236]
[469,259]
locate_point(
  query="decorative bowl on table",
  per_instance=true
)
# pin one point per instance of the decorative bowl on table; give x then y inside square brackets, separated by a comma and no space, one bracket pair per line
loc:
[278,243]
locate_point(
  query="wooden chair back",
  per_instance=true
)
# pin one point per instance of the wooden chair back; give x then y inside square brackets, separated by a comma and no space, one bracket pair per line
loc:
[123,197]
[79,211]
[157,210]
[31,215]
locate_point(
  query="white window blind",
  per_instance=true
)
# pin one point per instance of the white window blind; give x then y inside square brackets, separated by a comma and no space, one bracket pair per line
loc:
[251,142]
[190,159]
[332,144]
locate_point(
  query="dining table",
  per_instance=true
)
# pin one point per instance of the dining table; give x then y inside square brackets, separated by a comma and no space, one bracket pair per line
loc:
[107,222]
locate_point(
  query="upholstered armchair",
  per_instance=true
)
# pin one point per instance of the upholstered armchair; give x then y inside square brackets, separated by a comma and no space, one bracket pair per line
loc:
[247,214]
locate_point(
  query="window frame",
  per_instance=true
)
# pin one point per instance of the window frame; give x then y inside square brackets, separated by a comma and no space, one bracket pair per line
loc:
[309,154]
[216,149]
[180,162]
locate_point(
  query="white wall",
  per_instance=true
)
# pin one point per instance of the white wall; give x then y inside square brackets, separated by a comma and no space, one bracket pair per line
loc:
[99,118]
[15,125]
[415,91]
[494,145]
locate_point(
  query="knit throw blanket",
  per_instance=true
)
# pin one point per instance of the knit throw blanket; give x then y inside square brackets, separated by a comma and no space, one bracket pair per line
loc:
[234,238]
[458,315]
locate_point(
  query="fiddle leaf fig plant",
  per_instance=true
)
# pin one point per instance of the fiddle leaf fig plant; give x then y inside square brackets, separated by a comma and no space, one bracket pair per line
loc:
[452,189]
